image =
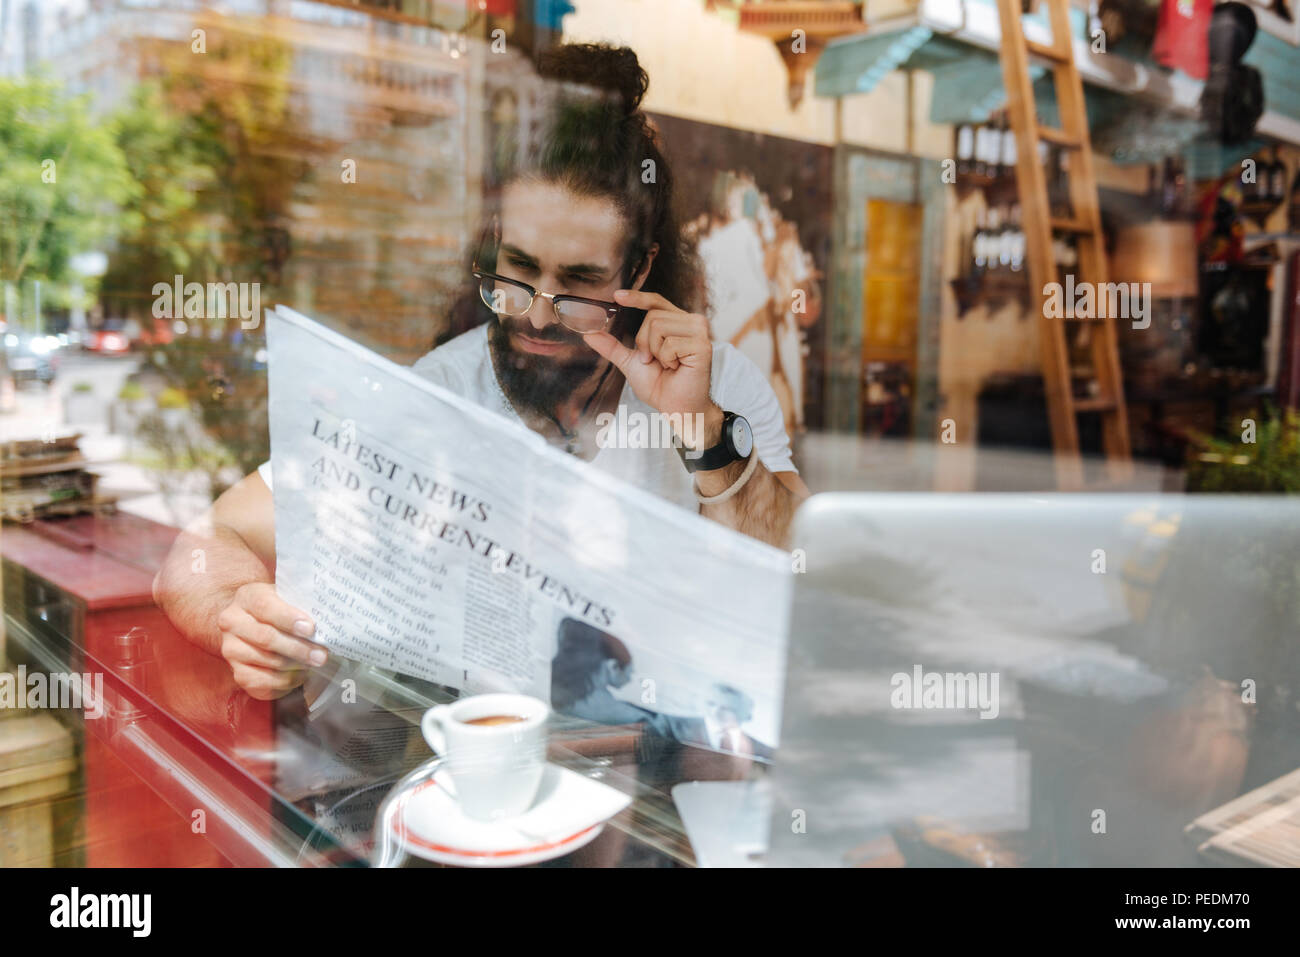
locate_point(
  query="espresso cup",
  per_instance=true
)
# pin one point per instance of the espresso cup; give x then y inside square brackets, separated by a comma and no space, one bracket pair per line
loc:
[495,766]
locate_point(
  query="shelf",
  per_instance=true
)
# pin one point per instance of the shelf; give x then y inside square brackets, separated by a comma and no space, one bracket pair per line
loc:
[997,190]
[992,290]
[931,32]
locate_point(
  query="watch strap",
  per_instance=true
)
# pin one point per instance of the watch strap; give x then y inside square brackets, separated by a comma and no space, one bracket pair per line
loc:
[719,456]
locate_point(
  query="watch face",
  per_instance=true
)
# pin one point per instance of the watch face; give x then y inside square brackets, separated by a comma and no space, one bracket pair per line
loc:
[742,439]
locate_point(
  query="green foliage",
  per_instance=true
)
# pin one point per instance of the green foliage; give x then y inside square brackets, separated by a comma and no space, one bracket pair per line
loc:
[1269,464]
[240,127]
[131,392]
[176,454]
[171,231]
[191,176]
[64,184]
[173,398]
[227,137]
[222,380]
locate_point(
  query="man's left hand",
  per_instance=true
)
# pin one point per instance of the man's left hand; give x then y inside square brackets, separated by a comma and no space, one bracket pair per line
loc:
[669,368]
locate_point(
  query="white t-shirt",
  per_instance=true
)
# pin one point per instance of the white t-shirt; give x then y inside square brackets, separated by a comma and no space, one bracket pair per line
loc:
[464,366]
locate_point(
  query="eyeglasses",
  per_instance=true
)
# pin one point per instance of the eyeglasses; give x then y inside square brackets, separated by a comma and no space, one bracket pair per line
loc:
[509,297]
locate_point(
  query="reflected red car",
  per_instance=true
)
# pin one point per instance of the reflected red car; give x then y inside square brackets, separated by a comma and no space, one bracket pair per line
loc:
[119,336]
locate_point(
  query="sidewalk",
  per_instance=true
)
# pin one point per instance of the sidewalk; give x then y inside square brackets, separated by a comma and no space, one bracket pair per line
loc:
[42,411]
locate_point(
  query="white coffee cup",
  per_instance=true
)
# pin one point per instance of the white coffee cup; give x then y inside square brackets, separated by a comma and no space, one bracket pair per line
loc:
[496,769]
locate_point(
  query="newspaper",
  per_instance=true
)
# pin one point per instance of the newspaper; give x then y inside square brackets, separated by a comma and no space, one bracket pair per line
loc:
[435,538]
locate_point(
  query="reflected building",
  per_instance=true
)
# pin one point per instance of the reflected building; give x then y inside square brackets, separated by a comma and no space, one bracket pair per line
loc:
[375,123]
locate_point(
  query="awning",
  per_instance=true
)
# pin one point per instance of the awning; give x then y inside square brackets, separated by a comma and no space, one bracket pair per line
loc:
[1138,111]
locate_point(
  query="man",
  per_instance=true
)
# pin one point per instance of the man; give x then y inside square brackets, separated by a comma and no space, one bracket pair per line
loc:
[725,712]
[578,219]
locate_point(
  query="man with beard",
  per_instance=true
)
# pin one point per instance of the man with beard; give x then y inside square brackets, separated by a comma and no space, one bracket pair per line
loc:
[574,303]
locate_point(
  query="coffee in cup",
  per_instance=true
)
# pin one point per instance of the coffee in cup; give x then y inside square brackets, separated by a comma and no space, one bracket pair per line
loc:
[494,719]
[495,748]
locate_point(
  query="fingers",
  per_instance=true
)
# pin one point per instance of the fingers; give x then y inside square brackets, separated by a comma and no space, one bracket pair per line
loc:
[667,339]
[611,349]
[262,602]
[688,333]
[243,619]
[265,684]
[256,653]
[658,325]
[235,649]
[675,350]
[242,625]
[643,300]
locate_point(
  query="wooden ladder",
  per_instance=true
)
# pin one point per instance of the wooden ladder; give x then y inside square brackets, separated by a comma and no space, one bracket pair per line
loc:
[1063,406]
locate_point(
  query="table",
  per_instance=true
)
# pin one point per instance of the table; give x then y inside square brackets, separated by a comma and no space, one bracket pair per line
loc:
[186,769]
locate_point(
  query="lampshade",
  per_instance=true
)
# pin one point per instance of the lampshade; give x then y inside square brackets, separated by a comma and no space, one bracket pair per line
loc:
[1159,252]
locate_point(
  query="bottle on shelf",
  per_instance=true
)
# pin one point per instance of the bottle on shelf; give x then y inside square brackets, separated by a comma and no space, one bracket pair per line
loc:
[979,247]
[965,148]
[995,148]
[1064,255]
[1017,262]
[989,150]
[1008,157]
[994,246]
[1006,240]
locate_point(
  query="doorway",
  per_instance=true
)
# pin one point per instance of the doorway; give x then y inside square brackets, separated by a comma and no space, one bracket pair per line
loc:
[891,289]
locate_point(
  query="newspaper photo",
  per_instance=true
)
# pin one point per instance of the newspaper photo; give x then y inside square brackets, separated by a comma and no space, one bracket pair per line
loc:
[435,538]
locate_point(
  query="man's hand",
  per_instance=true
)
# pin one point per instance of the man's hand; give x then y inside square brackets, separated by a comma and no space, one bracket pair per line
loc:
[669,370]
[670,367]
[262,637]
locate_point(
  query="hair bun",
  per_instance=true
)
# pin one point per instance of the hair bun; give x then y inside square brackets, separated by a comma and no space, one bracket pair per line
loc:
[599,65]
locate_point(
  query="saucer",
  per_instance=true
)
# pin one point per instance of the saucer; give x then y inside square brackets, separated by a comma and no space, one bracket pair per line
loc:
[570,811]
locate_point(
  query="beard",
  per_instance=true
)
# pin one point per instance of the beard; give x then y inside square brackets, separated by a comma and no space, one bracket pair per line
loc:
[537,383]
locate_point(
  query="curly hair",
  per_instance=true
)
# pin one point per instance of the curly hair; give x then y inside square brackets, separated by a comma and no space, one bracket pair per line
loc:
[596,141]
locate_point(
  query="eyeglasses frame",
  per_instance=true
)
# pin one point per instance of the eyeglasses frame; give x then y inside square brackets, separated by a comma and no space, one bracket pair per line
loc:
[612,309]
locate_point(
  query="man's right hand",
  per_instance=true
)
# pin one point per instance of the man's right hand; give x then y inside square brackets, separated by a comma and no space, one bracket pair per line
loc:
[263,639]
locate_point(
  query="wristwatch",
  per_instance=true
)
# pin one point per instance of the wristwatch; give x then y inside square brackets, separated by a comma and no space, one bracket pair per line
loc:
[737,443]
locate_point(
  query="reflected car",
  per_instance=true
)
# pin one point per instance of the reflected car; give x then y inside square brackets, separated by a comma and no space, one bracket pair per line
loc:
[32,357]
[119,336]
[112,338]
[8,390]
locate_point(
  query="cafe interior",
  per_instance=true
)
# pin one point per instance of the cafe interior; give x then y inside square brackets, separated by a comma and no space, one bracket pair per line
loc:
[1026,290]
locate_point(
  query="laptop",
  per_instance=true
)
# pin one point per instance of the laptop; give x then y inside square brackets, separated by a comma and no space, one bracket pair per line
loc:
[1033,679]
